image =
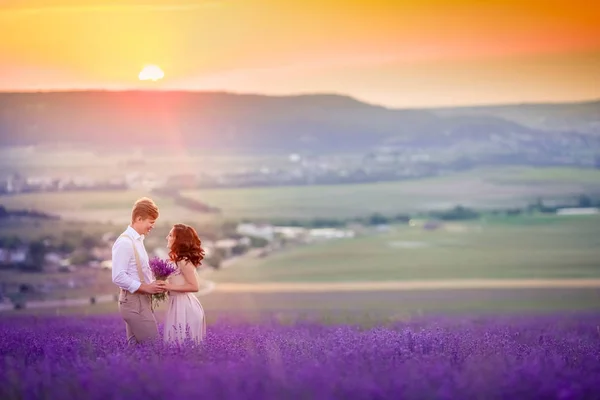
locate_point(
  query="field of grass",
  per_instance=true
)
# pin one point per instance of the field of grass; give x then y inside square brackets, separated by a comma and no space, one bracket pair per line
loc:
[97,164]
[366,307]
[494,248]
[546,175]
[32,229]
[485,188]
[525,247]
[86,282]
[107,207]
[535,247]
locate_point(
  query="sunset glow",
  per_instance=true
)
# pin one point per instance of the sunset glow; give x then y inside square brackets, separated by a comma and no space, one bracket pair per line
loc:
[393,52]
[151,73]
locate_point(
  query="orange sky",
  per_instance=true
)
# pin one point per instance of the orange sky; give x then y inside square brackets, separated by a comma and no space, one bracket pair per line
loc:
[398,53]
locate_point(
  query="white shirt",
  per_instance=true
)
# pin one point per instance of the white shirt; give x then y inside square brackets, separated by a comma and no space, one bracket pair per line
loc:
[124,268]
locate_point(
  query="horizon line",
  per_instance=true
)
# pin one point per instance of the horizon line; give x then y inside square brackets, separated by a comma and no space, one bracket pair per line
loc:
[229,92]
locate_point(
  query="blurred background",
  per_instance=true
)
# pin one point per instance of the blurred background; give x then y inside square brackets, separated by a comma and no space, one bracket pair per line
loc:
[396,157]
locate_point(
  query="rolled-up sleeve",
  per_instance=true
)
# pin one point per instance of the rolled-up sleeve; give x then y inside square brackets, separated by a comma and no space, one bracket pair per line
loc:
[122,252]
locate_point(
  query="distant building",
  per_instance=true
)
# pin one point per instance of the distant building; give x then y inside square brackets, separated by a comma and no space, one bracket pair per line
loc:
[330,233]
[226,246]
[578,211]
[16,184]
[17,256]
[55,259]
[291,232]
[263,231]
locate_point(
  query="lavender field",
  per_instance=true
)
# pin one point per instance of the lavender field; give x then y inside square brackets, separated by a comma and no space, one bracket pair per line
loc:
[525,357]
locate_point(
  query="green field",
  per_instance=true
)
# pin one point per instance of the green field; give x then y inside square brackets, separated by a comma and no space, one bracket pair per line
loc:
[546,175]
[94,163]
[521,247]
[103,206]
[485,188]
[366,307]
[515,248]
[493,248]
[32,229]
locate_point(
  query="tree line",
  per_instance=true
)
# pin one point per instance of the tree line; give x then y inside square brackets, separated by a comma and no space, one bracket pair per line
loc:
[457,213]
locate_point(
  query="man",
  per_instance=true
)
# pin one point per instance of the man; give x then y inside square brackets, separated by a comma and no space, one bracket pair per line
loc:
[131,272]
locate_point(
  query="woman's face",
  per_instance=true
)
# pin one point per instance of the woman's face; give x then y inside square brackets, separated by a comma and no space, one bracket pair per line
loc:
[170,239]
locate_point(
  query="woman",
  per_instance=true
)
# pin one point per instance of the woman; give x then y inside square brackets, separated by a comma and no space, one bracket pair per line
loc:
[185,317]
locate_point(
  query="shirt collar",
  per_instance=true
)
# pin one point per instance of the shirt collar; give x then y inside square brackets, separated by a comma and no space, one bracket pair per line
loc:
[133,233]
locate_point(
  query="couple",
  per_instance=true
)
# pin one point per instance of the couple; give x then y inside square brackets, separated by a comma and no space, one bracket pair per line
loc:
[131,272]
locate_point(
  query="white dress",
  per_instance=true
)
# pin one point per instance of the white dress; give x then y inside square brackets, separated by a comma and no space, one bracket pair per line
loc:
[185,319]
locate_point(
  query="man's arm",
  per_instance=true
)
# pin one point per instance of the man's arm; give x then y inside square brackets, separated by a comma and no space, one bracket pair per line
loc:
[122,252]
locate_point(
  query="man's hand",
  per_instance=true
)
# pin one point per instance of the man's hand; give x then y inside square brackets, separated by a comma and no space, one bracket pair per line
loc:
[152,288]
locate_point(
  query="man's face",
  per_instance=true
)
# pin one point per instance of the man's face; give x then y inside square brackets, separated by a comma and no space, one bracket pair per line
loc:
[147,225]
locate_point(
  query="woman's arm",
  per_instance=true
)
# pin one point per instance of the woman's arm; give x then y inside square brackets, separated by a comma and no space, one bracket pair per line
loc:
[191,280]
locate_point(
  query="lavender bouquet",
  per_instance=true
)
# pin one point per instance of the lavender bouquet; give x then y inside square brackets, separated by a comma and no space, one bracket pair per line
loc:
[161,269]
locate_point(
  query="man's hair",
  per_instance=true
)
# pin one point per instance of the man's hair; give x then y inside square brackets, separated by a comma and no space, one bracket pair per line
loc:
[145,208]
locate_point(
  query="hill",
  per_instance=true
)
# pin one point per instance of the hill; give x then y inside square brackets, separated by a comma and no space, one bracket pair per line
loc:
[310,124]
[581,117]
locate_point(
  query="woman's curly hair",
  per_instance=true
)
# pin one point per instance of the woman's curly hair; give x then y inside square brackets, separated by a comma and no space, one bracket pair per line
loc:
[186,245]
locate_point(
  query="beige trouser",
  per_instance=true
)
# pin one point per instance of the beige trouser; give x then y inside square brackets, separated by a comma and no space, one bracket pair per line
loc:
[136,310]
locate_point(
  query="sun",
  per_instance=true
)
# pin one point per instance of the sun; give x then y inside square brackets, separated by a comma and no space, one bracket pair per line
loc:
[151,73]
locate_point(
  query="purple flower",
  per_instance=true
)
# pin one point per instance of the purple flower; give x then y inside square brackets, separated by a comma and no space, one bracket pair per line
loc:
[501,357]
[161,269]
